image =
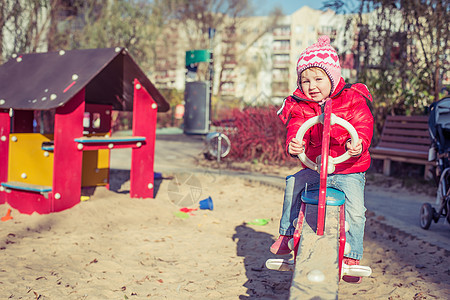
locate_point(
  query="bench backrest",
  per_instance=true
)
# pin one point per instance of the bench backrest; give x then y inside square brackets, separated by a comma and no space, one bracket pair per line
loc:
[406,132]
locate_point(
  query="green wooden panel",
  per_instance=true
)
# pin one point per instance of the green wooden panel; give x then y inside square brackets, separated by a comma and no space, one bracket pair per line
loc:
[196,56]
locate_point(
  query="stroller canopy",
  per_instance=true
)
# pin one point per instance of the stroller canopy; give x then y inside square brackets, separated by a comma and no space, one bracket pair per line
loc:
[439,124]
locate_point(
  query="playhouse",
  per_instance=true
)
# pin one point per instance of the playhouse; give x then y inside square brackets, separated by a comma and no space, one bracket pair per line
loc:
[45,162]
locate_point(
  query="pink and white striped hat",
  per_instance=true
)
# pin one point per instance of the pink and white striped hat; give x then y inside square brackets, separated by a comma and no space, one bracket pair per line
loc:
[322,55]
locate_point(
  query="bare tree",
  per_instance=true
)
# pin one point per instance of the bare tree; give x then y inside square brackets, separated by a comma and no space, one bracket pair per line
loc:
[198,16]
[23,26]
[225,16]
[401,51]
[429,23]
[133,24]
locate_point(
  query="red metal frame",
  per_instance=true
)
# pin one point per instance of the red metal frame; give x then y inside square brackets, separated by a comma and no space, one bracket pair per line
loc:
[324,168]
[29,202]
[67,159]
[5,129]
[142,159]
[299,228]
[323,187]
[342,237]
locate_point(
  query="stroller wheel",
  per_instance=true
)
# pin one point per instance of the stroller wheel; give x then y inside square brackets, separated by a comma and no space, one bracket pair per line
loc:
[448,211]
[426,215]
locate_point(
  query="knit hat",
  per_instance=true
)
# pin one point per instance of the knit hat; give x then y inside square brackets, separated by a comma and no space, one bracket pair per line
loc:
[321,55]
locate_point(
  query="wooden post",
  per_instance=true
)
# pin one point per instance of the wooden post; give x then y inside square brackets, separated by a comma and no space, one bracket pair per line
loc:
[428,174]
[387,167]
[142,158]
[67,159]
[5,128]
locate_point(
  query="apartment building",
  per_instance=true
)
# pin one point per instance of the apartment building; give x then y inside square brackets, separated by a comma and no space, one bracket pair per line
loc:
[245,65]
[255,58]
[170,70]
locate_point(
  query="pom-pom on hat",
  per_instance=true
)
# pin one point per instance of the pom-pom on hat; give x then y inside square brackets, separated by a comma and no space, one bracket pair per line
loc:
[322,55]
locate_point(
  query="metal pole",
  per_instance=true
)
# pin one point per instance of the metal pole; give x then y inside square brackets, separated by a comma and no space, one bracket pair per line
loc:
[211,34]
[219,147]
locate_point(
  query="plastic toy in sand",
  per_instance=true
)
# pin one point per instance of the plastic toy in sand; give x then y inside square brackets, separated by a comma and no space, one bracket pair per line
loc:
[185,212]
[7,216]
[206,204]
[259,222]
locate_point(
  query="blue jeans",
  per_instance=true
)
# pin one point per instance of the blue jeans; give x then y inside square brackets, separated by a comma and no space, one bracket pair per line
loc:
[353,187]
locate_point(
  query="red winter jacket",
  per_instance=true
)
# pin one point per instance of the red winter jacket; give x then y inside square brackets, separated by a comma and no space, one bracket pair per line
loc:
[349,103]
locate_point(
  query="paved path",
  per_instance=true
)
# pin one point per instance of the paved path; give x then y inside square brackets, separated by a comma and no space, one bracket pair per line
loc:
[178,152]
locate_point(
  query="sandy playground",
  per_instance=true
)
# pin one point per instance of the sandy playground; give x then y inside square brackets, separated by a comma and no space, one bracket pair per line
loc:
[114,247]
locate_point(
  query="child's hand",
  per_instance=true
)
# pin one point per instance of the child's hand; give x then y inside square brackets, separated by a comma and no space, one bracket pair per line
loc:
[354,151]
[295,147]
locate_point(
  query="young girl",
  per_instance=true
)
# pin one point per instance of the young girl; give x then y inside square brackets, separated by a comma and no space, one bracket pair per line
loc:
[319,78]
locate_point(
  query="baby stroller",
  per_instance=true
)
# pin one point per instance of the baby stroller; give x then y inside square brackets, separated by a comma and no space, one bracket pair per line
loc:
[439,128]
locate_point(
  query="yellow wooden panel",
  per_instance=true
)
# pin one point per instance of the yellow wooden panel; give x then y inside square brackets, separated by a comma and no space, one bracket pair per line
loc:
[103,159]
[95,170]
[27,161]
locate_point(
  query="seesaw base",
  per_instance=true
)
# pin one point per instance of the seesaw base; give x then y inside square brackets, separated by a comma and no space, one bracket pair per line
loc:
[316,275]
[280,264]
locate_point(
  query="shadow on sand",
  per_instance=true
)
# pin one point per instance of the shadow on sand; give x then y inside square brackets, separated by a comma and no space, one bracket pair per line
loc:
[261,283]
[118,183]
[119,177]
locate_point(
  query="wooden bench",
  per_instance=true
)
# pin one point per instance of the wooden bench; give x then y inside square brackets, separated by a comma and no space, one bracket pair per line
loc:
[404,139]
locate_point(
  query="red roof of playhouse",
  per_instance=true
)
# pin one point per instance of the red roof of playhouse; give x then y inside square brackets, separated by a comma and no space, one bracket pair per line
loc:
[43,81]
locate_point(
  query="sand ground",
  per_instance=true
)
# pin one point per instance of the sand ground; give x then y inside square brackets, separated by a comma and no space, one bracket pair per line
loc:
[114,247]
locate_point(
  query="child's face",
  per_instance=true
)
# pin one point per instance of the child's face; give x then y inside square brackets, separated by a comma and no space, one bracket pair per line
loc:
[315,84]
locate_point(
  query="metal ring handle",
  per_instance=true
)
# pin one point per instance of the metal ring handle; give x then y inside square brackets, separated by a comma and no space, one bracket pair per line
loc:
[300,134]
[334,120]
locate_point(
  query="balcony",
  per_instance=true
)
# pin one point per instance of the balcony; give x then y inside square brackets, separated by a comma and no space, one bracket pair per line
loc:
[228,88]
[228,77]
[281,34]
[166,64]
[281,49]
[165,77]
[281,93]
[229,64]
[279,89]
[281,63]
[164,85]
[228,92]
[280,78]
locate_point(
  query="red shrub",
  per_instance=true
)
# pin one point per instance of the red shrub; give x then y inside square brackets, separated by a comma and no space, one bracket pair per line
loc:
[259,135]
